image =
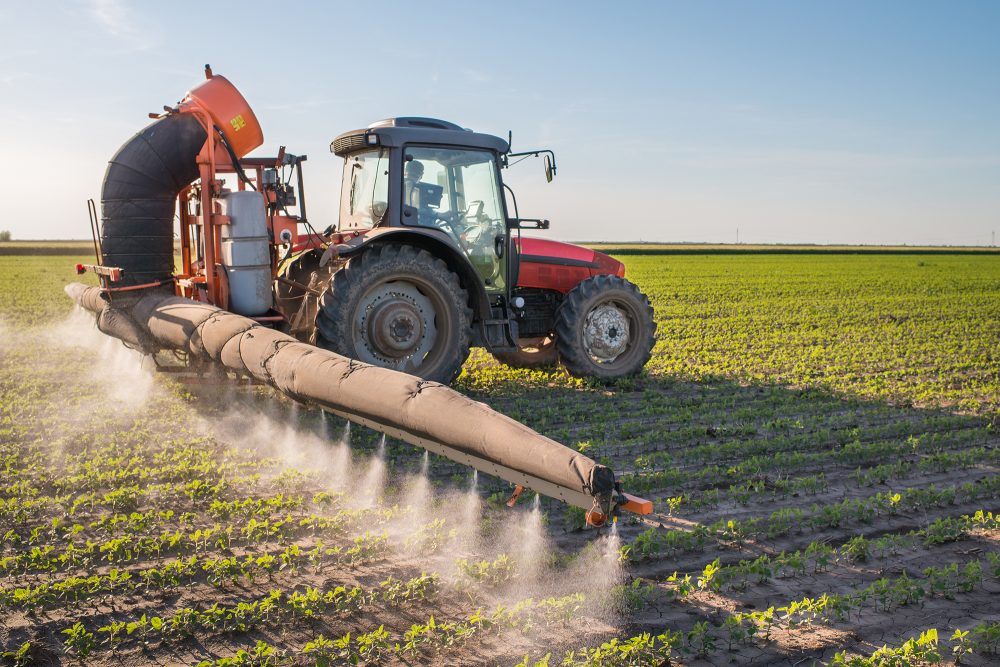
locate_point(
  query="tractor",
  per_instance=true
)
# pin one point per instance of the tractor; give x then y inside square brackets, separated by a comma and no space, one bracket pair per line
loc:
[426,261]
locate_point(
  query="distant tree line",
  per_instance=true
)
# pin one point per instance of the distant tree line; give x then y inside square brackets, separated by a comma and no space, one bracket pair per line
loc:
[5,235]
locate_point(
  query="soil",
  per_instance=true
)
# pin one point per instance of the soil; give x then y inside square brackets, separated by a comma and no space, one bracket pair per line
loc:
[65,437]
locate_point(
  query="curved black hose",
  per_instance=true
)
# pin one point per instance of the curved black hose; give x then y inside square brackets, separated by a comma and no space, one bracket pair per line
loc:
[138,199]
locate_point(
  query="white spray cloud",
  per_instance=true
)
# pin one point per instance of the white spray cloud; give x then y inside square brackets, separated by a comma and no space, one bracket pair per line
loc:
[124,376]
[365,482]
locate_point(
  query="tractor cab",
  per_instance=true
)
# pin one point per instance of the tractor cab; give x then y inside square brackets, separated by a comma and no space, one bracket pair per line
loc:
[429,175]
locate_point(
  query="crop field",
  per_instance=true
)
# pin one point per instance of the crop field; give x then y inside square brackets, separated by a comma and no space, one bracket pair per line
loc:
[821,429]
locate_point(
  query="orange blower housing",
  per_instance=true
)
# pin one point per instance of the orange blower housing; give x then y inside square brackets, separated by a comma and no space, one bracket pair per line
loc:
[233,131]
[229,111]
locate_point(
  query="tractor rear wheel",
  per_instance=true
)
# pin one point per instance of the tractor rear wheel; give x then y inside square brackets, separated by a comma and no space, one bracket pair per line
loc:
[605,328]
[399,307]
[531,353]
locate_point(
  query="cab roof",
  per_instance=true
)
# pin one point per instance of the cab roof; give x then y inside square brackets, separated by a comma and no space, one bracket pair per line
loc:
[418,130]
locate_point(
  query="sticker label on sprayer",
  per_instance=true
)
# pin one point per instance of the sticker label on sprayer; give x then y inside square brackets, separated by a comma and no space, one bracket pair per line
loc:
[238,123]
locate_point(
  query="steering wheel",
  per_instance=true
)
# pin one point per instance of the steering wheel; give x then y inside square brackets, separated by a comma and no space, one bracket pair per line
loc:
[449,219]
[473,217]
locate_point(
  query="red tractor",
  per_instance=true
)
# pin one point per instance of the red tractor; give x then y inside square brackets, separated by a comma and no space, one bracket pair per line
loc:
[426,261]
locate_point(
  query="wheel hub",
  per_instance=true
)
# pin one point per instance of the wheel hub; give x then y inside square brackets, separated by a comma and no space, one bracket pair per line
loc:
[606,332]
[395,326]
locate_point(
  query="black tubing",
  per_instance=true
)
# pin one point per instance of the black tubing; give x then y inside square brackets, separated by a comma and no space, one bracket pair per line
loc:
[139,194]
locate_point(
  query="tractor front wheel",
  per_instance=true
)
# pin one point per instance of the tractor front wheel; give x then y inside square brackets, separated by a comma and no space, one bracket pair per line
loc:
[605,328]
[399,307]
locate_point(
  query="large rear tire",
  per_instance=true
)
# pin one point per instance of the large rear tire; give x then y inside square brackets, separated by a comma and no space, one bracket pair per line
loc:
[531,353]
[605,328]
[399,307]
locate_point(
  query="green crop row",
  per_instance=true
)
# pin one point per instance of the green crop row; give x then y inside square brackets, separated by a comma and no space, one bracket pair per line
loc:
[120,499]
[883,595]
[983,639]
[936,431]
[818,556]
[656,541]
[278,607]
[419,642]
[854,453]
[744,493]
[649,649]
[128,548]
[757,626]
[216,570]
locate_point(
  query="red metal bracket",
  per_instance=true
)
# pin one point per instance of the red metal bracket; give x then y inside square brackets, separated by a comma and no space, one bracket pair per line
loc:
[596,518]
[112,273]
[518,490]
[636,505]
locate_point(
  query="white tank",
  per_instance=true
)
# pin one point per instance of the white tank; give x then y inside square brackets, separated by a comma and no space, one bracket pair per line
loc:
[245,253]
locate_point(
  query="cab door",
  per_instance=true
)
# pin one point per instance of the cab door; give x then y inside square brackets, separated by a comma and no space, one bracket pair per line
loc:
[459,193]
[484,224]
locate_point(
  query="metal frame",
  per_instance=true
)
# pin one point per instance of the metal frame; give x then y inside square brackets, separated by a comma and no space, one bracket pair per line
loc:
[200,243]
[569,496]
[622,502]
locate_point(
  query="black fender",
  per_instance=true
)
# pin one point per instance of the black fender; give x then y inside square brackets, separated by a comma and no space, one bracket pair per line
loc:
[434,241]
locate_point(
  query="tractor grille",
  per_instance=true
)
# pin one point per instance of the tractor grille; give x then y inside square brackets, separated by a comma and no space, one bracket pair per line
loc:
[539,312]
[343,145]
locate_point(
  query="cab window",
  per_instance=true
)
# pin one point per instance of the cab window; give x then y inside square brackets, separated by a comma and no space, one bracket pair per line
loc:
[457,191]
[366,187]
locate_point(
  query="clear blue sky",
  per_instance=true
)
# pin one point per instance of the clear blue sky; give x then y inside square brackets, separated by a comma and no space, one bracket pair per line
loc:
[826,122]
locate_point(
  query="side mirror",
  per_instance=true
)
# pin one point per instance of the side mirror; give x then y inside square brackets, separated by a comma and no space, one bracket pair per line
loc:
[550,170]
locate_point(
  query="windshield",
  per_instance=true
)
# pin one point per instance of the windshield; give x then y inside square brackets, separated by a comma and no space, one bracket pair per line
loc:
[365,189]
[458,192]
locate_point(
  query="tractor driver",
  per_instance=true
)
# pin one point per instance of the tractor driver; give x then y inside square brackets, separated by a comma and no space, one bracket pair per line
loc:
[416,195]
[423,196]
[414,172]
